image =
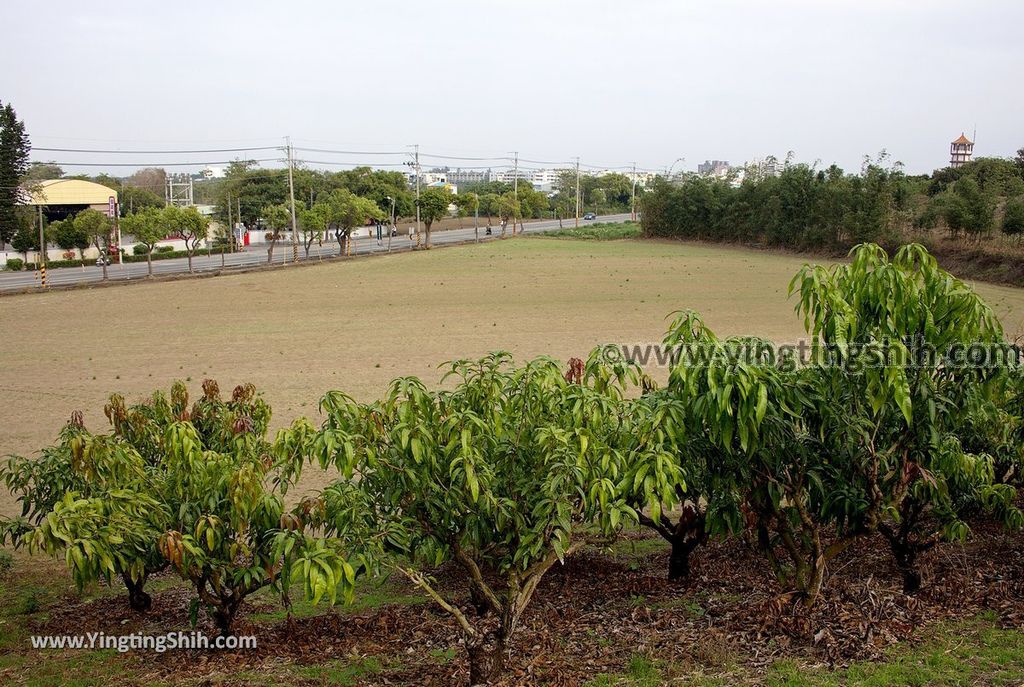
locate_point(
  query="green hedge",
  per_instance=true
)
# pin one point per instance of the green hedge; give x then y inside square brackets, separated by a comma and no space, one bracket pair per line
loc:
[16,264]
[168,254]
[68,263]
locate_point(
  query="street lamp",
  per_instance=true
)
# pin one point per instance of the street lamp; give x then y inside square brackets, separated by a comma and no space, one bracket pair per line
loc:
[668,172]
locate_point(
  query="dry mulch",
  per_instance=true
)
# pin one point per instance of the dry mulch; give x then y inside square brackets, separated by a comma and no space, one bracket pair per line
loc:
[591,615]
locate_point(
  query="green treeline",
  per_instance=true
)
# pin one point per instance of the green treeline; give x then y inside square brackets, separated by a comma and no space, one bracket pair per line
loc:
[802,207]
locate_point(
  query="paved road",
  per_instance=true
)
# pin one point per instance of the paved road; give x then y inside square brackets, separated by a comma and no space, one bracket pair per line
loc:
[254,256]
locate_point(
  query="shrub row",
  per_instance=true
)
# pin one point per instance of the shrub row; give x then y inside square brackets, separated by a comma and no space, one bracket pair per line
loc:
[161,253]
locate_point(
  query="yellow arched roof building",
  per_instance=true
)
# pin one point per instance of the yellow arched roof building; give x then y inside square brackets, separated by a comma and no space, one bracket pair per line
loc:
[71,192]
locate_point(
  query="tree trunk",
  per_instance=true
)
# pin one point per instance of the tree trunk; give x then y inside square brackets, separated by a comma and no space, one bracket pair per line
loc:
[149,259]
[911,579]
[679,560]
[224,615]
[905,549]
[905,554]
[689,533]
[479,600]
[138,599]
[486,660]
[189,258]
[813,582]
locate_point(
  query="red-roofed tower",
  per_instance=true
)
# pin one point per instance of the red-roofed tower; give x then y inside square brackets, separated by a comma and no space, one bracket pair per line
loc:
[960,151]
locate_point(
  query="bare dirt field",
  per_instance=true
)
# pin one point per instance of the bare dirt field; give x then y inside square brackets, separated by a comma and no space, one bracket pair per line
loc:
[298,332]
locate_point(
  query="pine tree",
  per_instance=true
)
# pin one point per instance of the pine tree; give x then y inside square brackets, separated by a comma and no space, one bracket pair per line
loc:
[14,149]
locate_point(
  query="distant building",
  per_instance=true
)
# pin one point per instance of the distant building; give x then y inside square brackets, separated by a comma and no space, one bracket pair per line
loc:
[545,177]
[713,168]
[509,175]
[211,172]
[451,188]
[761,168]
[429,178]
[960,151]
[643,179]
[63,198]
[469,176]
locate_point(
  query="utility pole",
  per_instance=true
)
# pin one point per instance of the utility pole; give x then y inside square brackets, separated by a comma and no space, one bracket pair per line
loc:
[229,233]
[515,189]
[577,192]
[418,234]
[415,164]
[41,257]
[632,200]
[291,200]
[117,230]
[392,228]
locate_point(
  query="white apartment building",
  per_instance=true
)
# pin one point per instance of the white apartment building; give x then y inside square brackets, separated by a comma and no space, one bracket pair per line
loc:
[508,175]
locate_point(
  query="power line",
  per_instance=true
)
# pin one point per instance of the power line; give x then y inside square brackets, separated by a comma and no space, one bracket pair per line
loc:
[458,157]
[155,164]
[350,163]
[350,152]
[156,152]
[546,162]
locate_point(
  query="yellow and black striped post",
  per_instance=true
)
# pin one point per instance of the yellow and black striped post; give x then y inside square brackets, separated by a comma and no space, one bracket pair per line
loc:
[42,276]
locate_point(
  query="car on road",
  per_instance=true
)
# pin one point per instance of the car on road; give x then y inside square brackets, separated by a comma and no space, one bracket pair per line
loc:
[590,215]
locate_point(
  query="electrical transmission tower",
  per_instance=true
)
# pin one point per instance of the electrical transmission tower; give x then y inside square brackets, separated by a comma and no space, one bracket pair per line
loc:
[179,190]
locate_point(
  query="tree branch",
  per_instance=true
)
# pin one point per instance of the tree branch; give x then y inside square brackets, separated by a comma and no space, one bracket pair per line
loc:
[421,582]
[658,527]
[477,578]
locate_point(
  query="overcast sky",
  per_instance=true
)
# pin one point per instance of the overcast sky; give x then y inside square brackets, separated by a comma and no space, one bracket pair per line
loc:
[613,82]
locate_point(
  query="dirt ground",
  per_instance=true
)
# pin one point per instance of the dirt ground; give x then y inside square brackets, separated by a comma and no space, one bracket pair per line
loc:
[298,332]
[606,618]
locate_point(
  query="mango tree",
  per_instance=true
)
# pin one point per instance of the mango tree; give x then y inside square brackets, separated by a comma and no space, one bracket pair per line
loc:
[231,536]
[748,453]
[236,537]
[505,475]
[191,486]
[676,459]
[90,497]
[894,340]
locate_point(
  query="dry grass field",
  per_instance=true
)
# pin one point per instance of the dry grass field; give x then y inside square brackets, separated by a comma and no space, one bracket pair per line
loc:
[608,618]
[297,332]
